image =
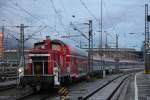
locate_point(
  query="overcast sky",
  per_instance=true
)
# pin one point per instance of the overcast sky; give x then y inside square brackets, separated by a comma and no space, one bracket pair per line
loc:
[119,17]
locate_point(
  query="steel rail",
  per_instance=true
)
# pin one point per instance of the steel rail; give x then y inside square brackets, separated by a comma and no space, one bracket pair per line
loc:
[100,88]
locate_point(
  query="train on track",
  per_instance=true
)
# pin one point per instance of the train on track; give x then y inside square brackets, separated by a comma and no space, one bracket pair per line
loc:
[52,62]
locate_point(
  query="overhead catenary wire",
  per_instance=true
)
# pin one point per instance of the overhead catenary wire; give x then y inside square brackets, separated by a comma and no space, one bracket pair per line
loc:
[110,20]
[35,17]
[12,35]
[108,15]
[84,5]
[14,13]
[60,21]
[79,31]
[30,14]
[58,16]
[29,37]
[24,10]
[32,34]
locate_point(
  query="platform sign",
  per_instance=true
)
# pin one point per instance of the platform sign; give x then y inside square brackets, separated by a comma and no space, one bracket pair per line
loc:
[63,91]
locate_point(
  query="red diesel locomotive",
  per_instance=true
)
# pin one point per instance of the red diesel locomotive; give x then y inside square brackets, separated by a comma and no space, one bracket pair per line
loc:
[53,61]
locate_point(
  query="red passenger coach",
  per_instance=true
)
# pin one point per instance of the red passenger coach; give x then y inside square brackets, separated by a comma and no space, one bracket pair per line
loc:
[53,61]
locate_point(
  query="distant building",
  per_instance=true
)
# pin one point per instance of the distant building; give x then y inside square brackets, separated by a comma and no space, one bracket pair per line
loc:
[121,53]
[1,45]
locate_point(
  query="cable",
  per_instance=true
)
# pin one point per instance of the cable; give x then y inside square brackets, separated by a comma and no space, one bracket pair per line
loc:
[59,17]
[24,10]
[108,15]
[9,11]
[88,10]
[32,34]
[75,28]
[13,36]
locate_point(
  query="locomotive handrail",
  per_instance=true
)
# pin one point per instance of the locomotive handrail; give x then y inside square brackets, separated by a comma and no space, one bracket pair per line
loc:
[56,73]
[57,64]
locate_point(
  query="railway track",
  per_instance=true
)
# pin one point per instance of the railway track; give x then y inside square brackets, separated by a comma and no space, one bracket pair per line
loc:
[7,85]
[7,88]
[110,94]
[30,95]
[41,95]
[25,96]
[33,96]
[85,90]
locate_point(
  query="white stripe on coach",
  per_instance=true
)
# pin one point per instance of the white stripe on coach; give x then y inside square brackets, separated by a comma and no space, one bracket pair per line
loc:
[39,54]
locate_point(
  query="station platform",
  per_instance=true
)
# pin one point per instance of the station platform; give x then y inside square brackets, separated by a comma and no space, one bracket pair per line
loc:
[142,86]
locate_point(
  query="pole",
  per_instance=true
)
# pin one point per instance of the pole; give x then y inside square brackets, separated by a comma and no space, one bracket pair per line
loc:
[21,50]
[91,36]
[116,41]
[146,54]
[89,53]
[22,58]
[80,43]
[117,57]
[146,26]
[90,49]
[101,24]
[106,44]
[3,50]
[101,38]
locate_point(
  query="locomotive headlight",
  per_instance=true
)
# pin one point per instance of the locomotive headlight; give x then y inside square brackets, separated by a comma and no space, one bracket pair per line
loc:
[20,71]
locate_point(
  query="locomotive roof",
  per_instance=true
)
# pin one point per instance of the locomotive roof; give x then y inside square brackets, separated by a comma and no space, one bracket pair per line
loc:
[73,50]
[58,41]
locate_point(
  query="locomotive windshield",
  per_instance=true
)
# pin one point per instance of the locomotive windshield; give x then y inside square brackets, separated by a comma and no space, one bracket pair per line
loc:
[56,47]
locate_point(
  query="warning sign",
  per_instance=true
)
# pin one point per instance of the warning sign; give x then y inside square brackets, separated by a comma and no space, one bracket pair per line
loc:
[63,91]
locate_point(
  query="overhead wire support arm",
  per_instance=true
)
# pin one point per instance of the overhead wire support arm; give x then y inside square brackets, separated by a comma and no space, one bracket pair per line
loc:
[75,28]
